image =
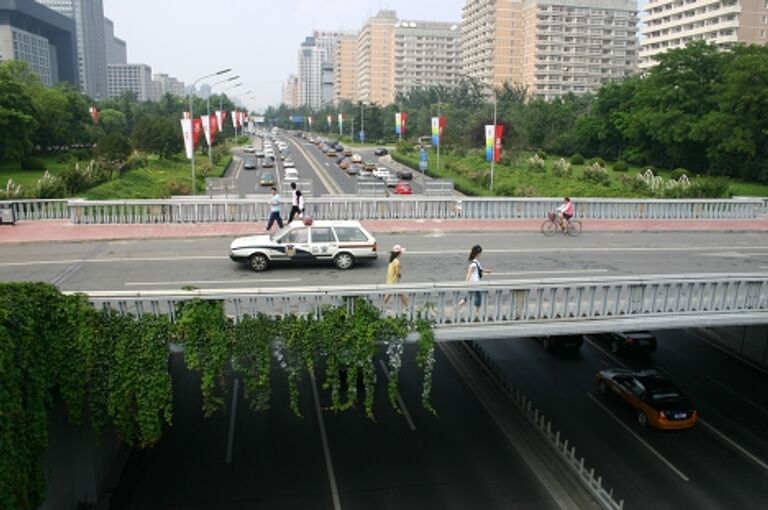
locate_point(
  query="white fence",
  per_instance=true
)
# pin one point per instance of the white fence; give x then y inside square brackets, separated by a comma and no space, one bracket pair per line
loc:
[508,308]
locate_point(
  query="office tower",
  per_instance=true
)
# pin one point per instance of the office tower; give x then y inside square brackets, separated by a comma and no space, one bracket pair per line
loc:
[117,50]
[290,91]
[42,38]
[91,46]
[344,72]
[670,24]
[550,47]
[130,77]
[163,84]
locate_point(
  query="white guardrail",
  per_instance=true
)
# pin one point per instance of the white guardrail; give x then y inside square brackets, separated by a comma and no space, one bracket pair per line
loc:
[508,308]
[201,209]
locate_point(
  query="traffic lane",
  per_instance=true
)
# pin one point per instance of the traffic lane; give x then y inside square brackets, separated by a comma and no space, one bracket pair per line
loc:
[204,262]
[731,396]
[276,458]
[308,167]
[646,467]
[328,167]
[455,460]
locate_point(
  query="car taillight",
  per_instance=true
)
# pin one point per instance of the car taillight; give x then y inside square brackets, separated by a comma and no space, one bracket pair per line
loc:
[375,247]
[662,415]
[629,340]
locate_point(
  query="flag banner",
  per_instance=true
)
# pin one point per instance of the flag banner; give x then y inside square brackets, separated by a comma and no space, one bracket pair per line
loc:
[197,128]
[403,121]
[497,142]
[234,118]
[398,123]
[329,119]
[206,121]
[214,127]
[241,118]
[220,118]
[186,131]
[94,114]
[341,122]
[490,139]
[438,124]
[309,121]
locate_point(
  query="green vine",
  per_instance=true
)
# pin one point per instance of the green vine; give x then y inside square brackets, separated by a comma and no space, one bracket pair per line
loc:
[204,331]
[425,359]
[252,355]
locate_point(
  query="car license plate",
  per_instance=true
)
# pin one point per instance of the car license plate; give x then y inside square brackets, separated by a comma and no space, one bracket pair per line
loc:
[680,416]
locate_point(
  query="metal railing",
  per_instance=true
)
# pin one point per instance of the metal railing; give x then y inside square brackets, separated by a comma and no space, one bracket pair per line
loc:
[438,187]
[216,209]
[507,308]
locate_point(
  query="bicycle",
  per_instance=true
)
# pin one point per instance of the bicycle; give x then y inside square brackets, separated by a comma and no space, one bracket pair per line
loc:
[551,226]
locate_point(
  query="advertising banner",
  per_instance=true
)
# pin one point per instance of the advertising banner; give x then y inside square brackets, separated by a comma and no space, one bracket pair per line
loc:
[490,139]
[234,119]
[186,131]
[206,121]
[220,118]
[497,142]
[438,124]
[94,114]
[329,119]
[341,122]
[398,123]
[197,128]
[310,120]
[403,121]
[214,127]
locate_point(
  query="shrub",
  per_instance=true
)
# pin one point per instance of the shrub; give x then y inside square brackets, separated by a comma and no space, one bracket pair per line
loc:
[178,188]
[577,159]
[136,160]
[709,187]
[32,163]
[203,169]
[459,152]
[218,152]
[12,190]
[505,190]
[49,186]
[561,168]
[597,161]
[404,147]
[620,166]
[595,173]
[541,153]
[536,163]
[677,173]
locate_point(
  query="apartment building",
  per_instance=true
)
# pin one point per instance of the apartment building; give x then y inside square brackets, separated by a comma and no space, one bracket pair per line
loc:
[290,91]
[91,46]
[163,84]
[551,47]
[673,24]
[427,54]
[130,77]
[376,59]
[42,38]
[345,69]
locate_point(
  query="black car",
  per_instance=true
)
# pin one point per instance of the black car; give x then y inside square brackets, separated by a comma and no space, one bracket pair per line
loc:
[249,164]
[404,174]
[381,151]
[628,341]
[561,342]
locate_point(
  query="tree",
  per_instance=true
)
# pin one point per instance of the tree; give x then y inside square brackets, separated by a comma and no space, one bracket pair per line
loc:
[18,112]
[113,147]
[112,121]
[158,135]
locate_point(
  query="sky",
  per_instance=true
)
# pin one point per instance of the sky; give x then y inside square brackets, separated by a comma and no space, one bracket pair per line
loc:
[257,39]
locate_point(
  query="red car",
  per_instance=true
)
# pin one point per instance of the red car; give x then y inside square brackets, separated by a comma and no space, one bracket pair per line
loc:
[403,188]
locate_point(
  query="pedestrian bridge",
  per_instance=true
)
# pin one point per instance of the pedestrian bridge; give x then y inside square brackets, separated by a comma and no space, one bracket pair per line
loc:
[510,308]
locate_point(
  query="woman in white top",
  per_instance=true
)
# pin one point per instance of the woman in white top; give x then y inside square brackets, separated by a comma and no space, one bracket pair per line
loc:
[474,272]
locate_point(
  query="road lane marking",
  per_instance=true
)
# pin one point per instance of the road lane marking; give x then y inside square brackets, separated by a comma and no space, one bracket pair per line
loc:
[232,416]
[400,402]
[326,447]
[250,282]
[571,271]
[738,395]
[640,439]
[735,445]
[327,181]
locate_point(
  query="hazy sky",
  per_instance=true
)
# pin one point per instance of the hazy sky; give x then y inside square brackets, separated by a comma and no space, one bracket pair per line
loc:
[258,39]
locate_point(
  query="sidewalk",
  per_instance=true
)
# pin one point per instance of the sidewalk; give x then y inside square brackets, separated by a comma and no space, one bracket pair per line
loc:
[63,230]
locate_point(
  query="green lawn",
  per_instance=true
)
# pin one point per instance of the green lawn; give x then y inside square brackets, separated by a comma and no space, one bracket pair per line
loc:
[27,178]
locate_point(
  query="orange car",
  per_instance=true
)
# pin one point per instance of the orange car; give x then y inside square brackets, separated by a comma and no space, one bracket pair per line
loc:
[658,402]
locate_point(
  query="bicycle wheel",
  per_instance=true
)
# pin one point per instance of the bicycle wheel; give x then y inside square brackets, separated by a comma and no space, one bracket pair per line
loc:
[575,228]
[548,228]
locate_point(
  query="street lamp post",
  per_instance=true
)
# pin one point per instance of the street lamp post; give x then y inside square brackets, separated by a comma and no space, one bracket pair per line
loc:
[208,110]
[247,93]
[192,118]
[221,97]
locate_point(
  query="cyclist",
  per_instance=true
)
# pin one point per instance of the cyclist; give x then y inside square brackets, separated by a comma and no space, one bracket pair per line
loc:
[565,213]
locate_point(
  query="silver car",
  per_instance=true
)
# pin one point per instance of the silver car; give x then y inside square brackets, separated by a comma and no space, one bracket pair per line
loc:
[344,243]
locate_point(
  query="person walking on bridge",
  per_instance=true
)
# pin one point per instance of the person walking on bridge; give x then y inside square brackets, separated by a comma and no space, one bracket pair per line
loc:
[474,273]
[395,272]
[296,198]
[274,214]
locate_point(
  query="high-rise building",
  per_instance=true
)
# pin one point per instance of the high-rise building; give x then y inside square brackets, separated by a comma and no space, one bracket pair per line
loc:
[290,91]
[91,46]
[427,54]
[670,24]
[163,84]
[310,69]
[344,72]
[42,38]
[550,47]
[376,59]
[117,49]
[130,77]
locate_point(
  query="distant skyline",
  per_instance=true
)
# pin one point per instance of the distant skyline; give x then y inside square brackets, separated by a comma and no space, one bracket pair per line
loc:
[258,39]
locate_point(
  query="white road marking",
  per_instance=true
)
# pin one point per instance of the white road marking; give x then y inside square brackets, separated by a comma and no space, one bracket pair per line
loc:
[640,439]
[735,445]
[400,402]
[575,270]
[738,395]
[248,282]
[326,447]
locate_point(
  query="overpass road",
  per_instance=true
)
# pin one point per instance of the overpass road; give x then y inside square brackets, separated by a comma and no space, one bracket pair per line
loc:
[203,262]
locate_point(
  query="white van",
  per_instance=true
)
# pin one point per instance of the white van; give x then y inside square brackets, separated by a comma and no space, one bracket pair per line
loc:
[291,175]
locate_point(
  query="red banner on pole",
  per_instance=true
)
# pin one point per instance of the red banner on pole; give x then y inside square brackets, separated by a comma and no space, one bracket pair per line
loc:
[197,128]
[403,120]
[94,114]
[214,127]
[497,142]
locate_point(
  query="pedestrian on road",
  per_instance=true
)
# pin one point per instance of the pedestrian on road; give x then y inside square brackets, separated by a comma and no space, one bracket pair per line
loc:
[474,273]
[395,272]
[274,215]
[295,195]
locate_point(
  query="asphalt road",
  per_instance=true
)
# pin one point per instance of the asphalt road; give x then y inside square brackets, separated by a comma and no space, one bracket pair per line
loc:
[722,462]
[204,262]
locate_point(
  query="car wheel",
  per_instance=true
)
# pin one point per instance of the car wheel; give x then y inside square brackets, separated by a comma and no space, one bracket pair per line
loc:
[258,262]
[615,346]
[602,386]
[344,260]
[642,419]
